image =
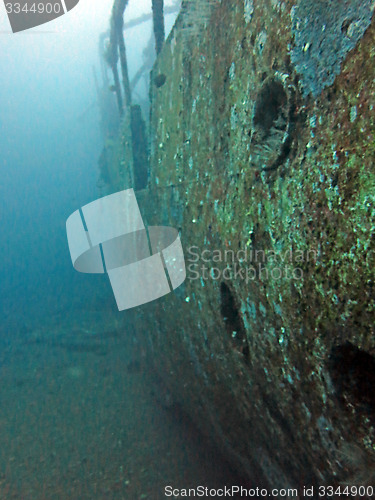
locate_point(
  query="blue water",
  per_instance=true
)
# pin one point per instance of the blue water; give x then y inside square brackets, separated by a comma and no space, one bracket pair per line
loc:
[48,158]
[80,417]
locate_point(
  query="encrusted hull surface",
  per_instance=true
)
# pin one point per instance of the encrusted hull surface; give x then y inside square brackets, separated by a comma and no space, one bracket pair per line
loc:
[263,156]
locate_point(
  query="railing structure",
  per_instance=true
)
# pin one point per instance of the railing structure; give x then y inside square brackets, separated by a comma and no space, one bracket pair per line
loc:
[112,51]
[112,45]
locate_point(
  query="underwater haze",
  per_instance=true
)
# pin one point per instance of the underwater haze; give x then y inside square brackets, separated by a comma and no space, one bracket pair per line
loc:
[80,416]
[49,146]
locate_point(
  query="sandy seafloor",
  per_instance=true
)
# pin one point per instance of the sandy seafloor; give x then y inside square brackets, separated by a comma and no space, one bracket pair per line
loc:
[80,417]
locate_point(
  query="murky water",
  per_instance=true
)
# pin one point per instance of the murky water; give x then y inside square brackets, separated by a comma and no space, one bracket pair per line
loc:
[83,418]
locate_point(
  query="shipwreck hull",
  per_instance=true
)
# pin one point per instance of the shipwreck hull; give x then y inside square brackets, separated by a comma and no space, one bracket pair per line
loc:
[262,156]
